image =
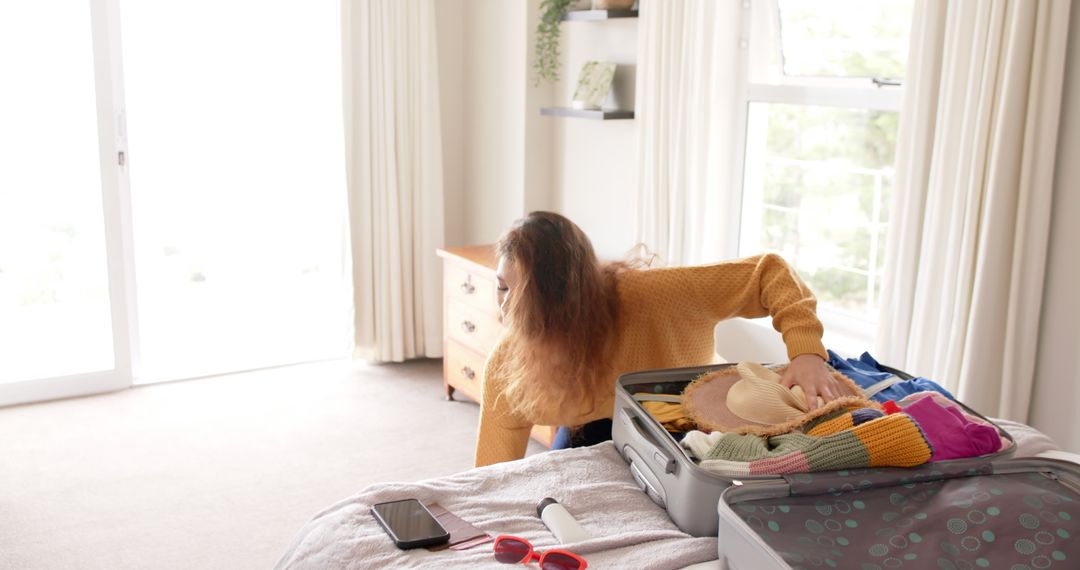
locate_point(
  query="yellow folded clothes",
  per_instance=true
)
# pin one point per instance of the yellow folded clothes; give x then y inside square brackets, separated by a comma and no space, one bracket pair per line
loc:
[670,415]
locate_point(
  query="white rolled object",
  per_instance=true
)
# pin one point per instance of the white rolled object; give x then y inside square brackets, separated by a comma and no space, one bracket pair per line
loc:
[560,522]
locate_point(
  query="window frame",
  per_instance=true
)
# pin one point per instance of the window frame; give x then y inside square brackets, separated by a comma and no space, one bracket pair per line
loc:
[761,82]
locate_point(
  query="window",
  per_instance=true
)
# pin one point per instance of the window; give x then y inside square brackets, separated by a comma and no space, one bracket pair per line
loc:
[172,192]
[822,109]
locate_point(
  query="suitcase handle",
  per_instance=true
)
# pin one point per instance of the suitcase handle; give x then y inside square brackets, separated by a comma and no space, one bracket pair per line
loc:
[660,456]
[645,485]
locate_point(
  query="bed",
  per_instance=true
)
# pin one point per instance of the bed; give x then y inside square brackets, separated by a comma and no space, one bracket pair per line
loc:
[628,530]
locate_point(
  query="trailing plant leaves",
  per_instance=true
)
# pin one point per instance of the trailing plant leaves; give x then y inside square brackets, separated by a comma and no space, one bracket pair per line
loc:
[547,40]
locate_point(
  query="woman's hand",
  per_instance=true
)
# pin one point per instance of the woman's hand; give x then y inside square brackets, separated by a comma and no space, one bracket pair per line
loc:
[810,373]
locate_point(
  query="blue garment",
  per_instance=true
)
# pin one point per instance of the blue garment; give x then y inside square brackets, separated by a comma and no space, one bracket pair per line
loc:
[866,372]
[591,433]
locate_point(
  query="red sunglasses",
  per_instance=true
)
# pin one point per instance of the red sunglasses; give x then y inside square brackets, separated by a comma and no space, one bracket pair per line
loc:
[514,550]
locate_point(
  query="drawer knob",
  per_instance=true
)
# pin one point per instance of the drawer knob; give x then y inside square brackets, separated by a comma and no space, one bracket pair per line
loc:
[468,326]
[468,288]
[468,373]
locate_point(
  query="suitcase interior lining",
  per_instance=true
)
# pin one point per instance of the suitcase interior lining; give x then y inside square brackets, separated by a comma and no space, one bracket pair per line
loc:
[1004,520]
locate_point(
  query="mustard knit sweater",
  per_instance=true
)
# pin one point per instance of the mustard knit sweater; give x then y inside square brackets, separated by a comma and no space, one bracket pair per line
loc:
[666,320]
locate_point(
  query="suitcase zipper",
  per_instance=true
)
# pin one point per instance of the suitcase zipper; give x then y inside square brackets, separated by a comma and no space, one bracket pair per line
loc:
[1070,485]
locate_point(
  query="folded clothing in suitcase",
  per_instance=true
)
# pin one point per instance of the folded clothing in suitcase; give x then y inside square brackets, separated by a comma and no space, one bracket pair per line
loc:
[662,467]
[1012,513]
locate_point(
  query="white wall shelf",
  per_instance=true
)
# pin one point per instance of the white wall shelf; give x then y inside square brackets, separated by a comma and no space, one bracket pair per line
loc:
[589,15]
[597,114]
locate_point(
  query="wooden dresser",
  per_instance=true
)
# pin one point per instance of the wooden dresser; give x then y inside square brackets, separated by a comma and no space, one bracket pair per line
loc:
[471,323]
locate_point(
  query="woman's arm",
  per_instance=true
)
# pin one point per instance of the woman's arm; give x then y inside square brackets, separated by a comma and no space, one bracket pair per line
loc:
[766,285]
[751,287]
[501,435]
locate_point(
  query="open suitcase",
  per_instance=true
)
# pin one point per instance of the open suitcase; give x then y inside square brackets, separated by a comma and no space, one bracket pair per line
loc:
[1013,513]
[674,481]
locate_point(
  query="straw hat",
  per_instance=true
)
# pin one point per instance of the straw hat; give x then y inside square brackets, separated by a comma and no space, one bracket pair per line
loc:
[749,398]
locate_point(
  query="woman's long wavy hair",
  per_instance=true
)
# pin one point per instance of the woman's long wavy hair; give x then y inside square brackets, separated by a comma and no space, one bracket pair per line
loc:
[561,317]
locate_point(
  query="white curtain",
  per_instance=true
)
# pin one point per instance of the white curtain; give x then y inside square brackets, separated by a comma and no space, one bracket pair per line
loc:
[975,161]
[690,56]
[395,176]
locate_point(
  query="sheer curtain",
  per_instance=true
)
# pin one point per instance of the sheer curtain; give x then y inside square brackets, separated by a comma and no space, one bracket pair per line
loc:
[395,176]
[689,57]
[975,161]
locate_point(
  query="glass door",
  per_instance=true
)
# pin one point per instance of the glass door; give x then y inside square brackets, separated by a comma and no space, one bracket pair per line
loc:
[238,184]
[228,208]
[64,309]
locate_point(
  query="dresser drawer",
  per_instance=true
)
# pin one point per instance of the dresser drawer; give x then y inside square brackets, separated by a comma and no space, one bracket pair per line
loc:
[472,288]
[471,326]
[463,369]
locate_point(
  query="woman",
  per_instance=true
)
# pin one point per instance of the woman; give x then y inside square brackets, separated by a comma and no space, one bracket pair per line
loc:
[574,325]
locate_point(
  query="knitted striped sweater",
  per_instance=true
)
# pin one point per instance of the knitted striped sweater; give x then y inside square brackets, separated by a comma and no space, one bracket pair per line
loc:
[853,439]
[666,319]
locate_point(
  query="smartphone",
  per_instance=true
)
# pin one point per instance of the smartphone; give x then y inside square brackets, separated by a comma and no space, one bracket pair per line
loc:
[409,524]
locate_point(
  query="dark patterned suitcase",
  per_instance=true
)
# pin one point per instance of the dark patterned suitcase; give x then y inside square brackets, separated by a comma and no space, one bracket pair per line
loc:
[1013,513]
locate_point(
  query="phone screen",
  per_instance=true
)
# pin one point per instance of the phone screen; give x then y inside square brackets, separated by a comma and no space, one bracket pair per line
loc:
[409,521]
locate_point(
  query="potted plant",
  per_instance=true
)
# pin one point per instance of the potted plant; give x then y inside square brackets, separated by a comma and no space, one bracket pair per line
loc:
[547,31]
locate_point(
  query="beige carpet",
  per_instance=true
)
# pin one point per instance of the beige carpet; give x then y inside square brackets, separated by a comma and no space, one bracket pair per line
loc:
[217,472]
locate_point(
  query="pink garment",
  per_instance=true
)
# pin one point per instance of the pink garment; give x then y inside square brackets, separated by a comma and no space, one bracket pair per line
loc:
[949,431]
[942,401]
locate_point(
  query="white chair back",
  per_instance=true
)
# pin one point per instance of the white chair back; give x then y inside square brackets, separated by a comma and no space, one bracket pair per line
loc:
[740,340]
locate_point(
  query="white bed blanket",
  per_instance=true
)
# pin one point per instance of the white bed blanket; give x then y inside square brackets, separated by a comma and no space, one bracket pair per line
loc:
[593,483]
[1029,441]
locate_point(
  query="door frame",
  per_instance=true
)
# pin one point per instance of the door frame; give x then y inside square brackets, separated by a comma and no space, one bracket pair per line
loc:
[116,209]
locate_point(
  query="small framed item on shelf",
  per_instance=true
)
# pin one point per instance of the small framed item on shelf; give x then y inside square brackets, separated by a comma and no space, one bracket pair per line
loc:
[594,84]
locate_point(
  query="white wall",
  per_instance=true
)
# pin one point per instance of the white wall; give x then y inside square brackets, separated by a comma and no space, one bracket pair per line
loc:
[494,105]
[482,81]
[1054,407]
[503,159]
[450,32]
[595,162]
[540,147]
